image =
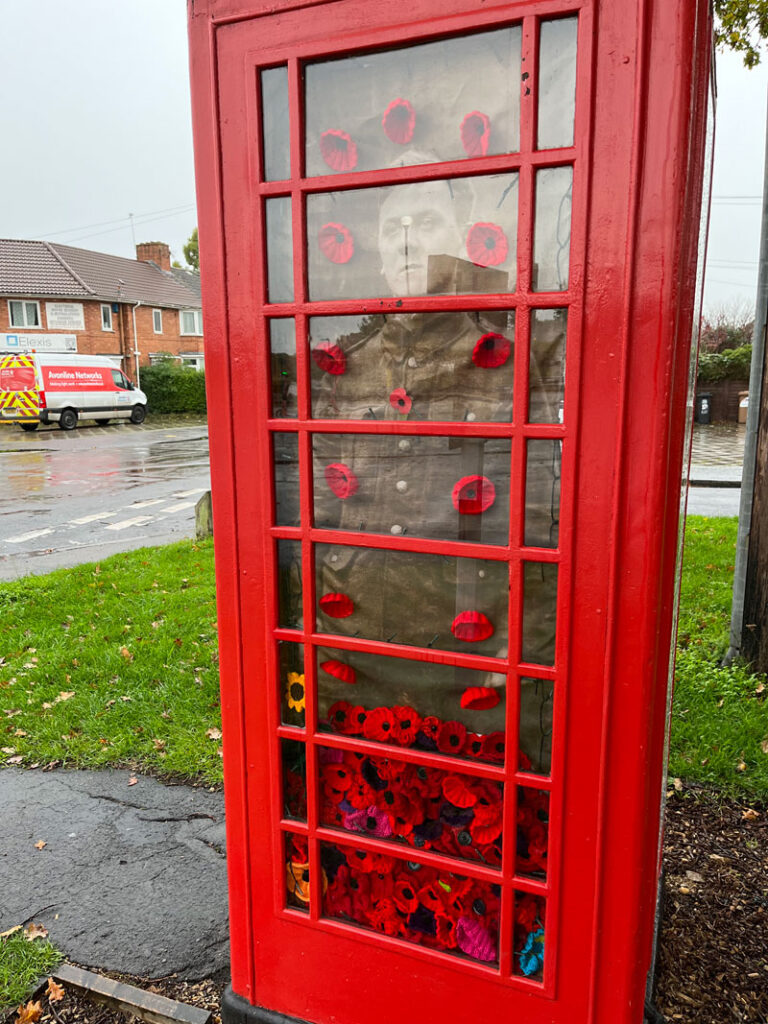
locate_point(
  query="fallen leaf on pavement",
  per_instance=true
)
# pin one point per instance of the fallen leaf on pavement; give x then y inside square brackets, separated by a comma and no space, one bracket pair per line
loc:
[132,781]
[54,992]
[213,734]
[11,931]
[29,1013]
[35,931]
[40,844]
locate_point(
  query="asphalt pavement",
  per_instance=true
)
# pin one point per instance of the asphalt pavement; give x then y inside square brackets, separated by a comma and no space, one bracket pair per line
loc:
[73,497]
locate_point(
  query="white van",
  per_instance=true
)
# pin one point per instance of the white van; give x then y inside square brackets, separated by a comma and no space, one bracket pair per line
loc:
[51,387]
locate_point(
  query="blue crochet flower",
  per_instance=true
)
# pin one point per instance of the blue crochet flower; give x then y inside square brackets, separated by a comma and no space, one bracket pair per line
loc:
[532,953]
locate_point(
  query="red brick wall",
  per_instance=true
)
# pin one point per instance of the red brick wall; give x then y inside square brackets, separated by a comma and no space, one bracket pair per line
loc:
[119,341]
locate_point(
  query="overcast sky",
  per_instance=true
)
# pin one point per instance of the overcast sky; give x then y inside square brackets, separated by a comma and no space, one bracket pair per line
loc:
[96,126]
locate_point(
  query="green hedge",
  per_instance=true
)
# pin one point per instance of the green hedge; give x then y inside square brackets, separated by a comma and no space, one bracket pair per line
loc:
[173,388]
[733,364]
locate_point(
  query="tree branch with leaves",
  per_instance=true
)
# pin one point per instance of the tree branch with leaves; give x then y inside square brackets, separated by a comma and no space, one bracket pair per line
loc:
[742,25]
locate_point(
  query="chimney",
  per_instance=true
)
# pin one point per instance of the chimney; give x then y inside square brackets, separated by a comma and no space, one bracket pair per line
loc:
[154,252]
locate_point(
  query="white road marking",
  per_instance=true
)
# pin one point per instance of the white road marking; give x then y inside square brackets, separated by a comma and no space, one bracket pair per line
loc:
[33,535]
[93,518]
[125,523]
[188,494]
[146,504]
[179,507]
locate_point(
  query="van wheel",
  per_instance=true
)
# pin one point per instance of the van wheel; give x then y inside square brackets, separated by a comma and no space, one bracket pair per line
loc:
[68,419]
[104,423]
[138,414]
[29,427]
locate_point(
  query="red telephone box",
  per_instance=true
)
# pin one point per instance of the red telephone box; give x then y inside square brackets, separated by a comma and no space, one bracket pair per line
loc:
[450,275]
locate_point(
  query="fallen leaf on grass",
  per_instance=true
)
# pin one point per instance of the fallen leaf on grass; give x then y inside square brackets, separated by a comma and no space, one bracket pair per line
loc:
[64,695]
[54,992]
[29,1012]
[741,767]
[158,744]
[132,781]
[40,844]
[8,750]
[679,785]
[15,760]
[35,931]
[19,732]
[764,746]
[213,734]
[220,752]
[126,654]
[750,814]
[760,688]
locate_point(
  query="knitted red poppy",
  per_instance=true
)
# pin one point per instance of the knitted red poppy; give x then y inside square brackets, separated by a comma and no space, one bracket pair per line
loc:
[451,737]
[399,121]
[480,698]
[338,606]
[338,150]
[336,243]
[400,400]
[379,725]
[493,747]
[472,495]
[487,245]
[471,627]
[329,358]
[339,670]
[458,792]
[407,725]
[475,133]
[491,350]
[341,480]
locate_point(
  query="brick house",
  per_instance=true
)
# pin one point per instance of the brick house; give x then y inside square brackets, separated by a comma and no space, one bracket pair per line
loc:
[59,298]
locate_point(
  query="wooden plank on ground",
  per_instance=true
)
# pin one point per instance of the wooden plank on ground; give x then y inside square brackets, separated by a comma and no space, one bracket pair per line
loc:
[148,1006]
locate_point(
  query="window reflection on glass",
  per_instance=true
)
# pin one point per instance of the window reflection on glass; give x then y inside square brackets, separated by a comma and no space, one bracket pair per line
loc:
[297,882]
[552,229]
[456,604]
[536,710]
[542,493]
[381,797]
[410,901]
[290,658]
[532,832]
[547,365]
[294,758]
[290,614]
[275,124]
[282,348]
[539,612]
[441,487]
[370,111]
[279,250]
[529,935]
[285,449]
[557,83]
[455,711]
[452,237]
[456,367]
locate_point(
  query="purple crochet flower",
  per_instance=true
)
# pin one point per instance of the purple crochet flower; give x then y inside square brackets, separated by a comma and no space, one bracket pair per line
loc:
[329,755]
[371,821]
[474,940]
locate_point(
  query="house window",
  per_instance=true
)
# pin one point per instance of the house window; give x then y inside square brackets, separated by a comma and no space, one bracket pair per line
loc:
[23,314]
[191,321]
[157,321]
[193,360]
[106,317]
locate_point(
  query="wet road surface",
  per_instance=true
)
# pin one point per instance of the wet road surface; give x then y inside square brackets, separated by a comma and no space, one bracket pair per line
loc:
[72,497]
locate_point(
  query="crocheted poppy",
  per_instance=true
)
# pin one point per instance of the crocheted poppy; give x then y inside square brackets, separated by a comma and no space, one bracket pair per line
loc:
[339,670]
[475,133]
[446,931]
[471,627]
[398,121]
[472,495]
[404,896]
[338,150]
[295,692]
[430,726]
[297,880]
[473,746]
[338,606]
[370,820]
[379,725]
[341,480]
[458,792]
[491,350]
[400,400]
[384,918]
[451,738]
[480,698]
[329,358]
[487,245]
[338,246]
[339,717]
[493,747]
[407,725]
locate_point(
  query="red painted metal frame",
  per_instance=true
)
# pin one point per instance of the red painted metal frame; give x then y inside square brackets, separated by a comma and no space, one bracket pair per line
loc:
[638,158]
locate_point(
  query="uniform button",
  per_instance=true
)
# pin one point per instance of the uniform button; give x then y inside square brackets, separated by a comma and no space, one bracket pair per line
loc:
[481,574]
[471,417]
[396,529]
[412,363]
[334,558]
[404,444]
[402,486]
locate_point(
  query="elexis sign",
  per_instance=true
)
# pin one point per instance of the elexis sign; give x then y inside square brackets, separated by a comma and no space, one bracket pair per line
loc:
[76,378]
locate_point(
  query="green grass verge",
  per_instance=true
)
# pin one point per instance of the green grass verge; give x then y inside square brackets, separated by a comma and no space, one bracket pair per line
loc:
[22,965]
[114,663]
[719,715]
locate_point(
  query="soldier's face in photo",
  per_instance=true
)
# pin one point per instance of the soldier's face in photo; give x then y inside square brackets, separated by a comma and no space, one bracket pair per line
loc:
[416,222]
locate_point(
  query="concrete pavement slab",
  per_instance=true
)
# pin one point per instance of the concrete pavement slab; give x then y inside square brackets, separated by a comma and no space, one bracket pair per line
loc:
[132,878]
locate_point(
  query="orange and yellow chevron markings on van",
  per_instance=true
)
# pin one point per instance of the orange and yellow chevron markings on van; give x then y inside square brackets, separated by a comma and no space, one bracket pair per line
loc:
[19,393]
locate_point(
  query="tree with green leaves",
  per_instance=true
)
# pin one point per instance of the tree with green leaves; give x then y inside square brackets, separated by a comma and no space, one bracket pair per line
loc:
[191,251]
[741,26]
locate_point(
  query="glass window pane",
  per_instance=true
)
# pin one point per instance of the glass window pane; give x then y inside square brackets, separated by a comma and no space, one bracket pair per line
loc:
[542,493]
[385,798]
[275,124]
[297,872]
[530,919]
[455,367]
[441,487]
[292,689]
[290,613]
[282,348]
[462,602]
[285,449]
[539,612]
[294,758]
[536,710]
[452,237]
[552,230]
[33,318]
[413,902]
[279,250]
[17,313]
[547,365]
[532,832]
[456,711]
[404,107]
[557,83]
